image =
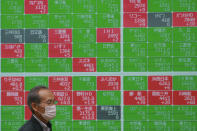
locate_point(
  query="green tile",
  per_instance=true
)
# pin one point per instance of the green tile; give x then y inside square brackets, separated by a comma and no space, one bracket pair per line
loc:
[12,21]
[158,64]
[138,64]
[108,20]
[11,125]
[135,125]
[159,6]
[160,34]
[84,125]
[12,113]
[160,113]
[108,49]
[84,83]
[135,83]
[184,34]
[60,65]
[184,5]
[108,6]
[185,64]
[59,125]
[185,125]
[135,49]
[36,50]
[84,35]
[108,97]
[84,50]
[12,65]
[84,6]
[160,126]
[187,49]
[36,65]
[108,64]
[160,49]
[107,125]
[36,21]
[32,81]
[184,83]
[84,20]
[185,113]
[60,6]
[12,7]
[135,113]
[60,21]
[63,113]
[135,34]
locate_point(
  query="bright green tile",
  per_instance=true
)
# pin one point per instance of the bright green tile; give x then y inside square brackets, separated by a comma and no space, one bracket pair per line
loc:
[137,64]
[108,97]
[135,34]
[32,81]
[36,65]
[158,64]
[184,83]
[84,83]
[12,65]
[36,50]
[36,21]
[12,21]
[60,21]
[135,83]
[108,20]
[108,64]
[108,49]
[135,49]
[60,6]
[60,65]
[84,50]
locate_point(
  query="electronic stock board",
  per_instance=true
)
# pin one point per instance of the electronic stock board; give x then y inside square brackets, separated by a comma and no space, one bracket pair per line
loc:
[113,65]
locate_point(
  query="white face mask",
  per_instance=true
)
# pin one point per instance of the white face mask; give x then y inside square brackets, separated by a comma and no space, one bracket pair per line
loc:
[50,112]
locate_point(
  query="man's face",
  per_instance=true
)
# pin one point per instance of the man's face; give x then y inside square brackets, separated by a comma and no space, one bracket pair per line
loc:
[47,99]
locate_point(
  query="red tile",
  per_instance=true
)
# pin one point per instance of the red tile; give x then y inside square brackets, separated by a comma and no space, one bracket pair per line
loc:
[84,64]
[26,93]
[108,83]
[160,97]
[12,98]
[135,97]
[135,19]
[28,113]
[36,6]
[84,98]
[63,97]
[12,50]
[63,83]
[181,19]
[12,83]
[60,50]
[62,36]
[135,5]
[84,112]
[184,97]
[108,34]
[160,82]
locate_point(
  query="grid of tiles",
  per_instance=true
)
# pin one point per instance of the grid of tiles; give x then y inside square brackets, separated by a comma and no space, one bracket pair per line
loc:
[81,39]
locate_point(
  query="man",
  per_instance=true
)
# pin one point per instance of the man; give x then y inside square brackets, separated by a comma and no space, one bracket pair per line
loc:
[41,102]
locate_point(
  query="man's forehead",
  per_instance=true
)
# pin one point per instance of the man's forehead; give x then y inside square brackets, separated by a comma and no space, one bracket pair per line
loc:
[46,94]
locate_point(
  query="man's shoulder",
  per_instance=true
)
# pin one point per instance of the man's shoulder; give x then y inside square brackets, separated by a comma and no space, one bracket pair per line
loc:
[31,125]
[28,126]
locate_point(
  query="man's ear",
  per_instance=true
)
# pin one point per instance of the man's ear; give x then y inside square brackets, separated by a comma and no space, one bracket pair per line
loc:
[34,106]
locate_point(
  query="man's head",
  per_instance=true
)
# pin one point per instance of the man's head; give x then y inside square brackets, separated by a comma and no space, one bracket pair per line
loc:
[41,101]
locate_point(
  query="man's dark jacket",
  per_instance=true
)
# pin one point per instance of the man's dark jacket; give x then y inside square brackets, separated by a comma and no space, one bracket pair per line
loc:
[32,125]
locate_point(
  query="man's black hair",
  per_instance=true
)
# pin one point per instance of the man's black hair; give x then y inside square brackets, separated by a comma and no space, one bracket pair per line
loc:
[33,96]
